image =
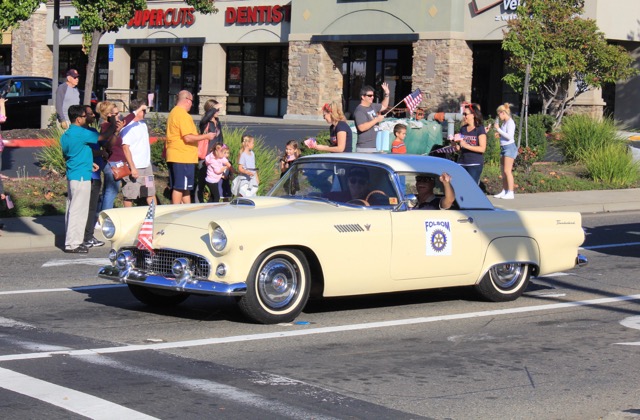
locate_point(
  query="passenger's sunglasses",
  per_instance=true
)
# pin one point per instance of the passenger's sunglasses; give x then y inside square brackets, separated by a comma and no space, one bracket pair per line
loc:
[424,179]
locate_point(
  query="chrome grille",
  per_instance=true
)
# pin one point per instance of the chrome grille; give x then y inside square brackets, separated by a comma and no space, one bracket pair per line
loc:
[162,261]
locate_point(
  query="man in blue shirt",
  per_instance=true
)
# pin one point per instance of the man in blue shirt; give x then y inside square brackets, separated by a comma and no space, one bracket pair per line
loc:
[75,143]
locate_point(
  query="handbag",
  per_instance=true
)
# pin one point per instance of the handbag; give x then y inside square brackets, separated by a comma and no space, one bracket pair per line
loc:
[120,170]
[203,145]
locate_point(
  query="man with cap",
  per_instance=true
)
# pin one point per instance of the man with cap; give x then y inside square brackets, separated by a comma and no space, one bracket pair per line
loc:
[67,95]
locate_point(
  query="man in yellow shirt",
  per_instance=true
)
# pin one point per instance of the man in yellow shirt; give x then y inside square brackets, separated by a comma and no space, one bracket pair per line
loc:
[182,148]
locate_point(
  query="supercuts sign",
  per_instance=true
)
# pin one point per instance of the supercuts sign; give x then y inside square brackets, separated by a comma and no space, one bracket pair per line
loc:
[166,18]
[257,14]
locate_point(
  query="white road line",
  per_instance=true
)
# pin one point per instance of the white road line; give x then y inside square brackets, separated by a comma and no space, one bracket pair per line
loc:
[63,289]
[218,390]
[611,245]
[69,399]
[77,261]
[322,330]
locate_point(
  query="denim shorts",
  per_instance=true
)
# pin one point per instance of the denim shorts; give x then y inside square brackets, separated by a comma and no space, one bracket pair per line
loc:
[509,150]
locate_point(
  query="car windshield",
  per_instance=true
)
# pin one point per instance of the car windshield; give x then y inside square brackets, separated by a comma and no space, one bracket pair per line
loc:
[343,183]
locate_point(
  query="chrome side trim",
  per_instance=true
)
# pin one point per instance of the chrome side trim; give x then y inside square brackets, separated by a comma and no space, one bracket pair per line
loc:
[196,286]
[581,261]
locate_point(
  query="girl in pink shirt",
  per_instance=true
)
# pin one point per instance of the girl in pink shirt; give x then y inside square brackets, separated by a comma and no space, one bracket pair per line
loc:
[216,166]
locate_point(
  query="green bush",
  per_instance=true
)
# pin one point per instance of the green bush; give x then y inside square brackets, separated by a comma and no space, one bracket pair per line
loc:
[157,123]
[266,157]
[583,136]
[538,128]
[613,165]
[50,157]
[156,155]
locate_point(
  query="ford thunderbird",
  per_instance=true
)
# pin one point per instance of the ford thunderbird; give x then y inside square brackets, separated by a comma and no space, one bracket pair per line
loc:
[338,225]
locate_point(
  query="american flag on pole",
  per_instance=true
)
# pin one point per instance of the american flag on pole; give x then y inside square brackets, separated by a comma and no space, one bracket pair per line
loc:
[413,100]
[145,236]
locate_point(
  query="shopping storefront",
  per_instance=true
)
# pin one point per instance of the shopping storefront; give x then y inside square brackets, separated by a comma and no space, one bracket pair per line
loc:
[268,58]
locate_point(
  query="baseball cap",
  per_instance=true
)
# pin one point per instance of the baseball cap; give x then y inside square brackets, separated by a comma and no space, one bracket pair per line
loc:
[73,73]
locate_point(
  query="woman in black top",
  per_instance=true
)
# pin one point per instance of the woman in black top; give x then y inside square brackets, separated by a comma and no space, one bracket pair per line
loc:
[339,131]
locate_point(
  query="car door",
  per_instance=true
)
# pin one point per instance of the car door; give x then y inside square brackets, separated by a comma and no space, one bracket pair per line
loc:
[16,106]
[37,92]
[444,246]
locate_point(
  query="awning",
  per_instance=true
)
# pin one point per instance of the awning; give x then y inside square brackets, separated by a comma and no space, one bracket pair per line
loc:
[366,38]
[161,41]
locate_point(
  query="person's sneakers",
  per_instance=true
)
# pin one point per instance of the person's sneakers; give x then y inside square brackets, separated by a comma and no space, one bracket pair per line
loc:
[500,194]
[508,195]
[93,242]
[80,249]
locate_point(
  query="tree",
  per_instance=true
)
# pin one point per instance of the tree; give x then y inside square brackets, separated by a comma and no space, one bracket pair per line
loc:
[98,17]
[561,47]
[15,11]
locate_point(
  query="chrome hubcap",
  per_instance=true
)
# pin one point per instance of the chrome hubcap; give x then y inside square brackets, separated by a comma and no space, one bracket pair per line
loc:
[506,276]
[278,282]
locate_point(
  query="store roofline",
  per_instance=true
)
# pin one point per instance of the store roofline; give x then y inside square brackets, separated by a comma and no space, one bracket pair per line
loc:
[365,38]
[162,41]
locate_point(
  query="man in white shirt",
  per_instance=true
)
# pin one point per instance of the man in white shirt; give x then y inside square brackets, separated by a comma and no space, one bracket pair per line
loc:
[137,151]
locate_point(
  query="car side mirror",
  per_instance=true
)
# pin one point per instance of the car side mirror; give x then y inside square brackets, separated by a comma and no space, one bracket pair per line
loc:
[411,200]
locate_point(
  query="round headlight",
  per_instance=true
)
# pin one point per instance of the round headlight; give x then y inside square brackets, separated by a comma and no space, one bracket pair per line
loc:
[108,228]
[218,239]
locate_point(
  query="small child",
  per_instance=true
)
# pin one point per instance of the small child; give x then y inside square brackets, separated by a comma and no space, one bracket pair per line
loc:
[247,181]
[216,166]
[291,153]
[400,131]
[224,185]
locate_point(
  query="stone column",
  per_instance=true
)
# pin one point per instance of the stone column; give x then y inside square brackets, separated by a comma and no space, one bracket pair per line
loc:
[315,77]
[589,103]
[30,54]
[119,87]
[214,65]
[443,70]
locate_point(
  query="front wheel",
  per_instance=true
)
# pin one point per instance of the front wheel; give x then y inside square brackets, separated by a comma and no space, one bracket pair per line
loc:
[156,297]
[504,282]
[277,287]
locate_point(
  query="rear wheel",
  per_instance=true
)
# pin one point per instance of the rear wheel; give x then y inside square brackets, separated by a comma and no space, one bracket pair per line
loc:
[504,282]
[277,287]
[157,297]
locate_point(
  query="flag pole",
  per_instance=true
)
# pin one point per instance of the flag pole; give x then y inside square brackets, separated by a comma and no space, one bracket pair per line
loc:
[394,107]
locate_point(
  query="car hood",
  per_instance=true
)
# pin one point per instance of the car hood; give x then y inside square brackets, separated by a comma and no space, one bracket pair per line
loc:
[200,215]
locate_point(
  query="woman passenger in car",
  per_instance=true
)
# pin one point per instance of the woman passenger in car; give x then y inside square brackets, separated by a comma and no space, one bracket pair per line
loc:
[427,199]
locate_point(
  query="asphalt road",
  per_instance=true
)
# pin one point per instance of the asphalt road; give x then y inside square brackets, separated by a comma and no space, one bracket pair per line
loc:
[72,345]
[21,162]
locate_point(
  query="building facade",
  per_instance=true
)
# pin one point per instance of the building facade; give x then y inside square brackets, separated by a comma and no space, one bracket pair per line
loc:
[286,59]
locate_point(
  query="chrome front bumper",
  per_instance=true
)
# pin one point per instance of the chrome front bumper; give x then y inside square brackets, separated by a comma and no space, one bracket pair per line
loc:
[192,285]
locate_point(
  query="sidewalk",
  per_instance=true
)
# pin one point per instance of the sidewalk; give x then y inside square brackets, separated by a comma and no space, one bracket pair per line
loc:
[48,231]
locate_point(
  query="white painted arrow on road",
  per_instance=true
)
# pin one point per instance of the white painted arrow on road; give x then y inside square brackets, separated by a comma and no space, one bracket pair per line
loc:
[631,322]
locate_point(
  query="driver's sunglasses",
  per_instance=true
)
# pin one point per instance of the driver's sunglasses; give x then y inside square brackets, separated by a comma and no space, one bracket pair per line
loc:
[359,181]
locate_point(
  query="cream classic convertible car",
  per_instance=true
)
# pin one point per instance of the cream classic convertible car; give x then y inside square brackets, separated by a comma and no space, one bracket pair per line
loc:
[337,225]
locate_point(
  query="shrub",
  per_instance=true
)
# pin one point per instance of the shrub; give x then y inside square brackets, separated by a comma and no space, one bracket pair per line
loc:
[266,157]
[50,156]
[156,155]
[613,165]
[583,136]
[157,123]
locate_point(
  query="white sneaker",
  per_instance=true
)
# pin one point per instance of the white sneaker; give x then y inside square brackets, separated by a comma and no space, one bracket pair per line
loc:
[97,226]
[500,194]
[508,195]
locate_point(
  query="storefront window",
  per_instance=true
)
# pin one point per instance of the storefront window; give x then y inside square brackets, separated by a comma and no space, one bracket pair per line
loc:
[372,65]
[257,80]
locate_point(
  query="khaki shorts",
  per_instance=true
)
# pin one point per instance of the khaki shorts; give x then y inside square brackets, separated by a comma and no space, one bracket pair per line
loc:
[141,187]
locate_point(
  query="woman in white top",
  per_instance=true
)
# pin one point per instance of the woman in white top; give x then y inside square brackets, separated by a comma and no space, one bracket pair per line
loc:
[508,150]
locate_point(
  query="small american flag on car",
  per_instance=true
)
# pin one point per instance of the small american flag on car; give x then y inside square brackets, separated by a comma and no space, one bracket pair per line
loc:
[413,100]
[145,236]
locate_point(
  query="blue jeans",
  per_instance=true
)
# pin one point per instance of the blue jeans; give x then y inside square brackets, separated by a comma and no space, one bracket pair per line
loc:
[110,189]
[475,171]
